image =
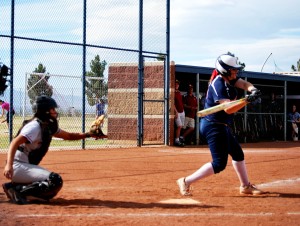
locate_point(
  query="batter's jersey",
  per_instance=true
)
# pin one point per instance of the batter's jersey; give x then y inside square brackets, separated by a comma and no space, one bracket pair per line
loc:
[218,90]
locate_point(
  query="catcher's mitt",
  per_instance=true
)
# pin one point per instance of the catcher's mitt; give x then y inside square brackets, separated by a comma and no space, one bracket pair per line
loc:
[95,130]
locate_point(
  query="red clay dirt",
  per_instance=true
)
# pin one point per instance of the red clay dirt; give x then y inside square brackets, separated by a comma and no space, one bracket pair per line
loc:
[137,186]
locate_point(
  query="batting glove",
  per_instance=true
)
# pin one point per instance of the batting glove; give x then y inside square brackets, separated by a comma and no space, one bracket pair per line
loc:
[255,94]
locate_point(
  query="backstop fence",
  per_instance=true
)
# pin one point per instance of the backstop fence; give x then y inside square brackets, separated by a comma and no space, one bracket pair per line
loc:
[65,48]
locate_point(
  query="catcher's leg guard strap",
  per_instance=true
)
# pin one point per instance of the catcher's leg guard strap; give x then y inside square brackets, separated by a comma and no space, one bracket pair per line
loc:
[44,189]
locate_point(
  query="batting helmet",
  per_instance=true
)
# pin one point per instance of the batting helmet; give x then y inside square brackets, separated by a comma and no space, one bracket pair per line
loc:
[226,62]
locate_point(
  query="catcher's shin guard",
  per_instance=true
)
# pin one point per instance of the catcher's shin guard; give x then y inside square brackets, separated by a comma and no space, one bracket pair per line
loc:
[44,189]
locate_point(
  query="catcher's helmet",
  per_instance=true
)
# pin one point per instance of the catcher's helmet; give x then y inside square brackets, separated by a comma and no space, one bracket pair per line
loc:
[44,103]
[226,62]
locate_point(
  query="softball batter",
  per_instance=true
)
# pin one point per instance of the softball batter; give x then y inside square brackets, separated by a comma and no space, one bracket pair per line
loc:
[214,127]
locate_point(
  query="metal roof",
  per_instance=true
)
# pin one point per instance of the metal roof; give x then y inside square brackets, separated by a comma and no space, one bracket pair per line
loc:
[282,76]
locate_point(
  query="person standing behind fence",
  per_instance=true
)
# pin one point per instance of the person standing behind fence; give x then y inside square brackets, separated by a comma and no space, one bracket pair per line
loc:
[179,114]
[5,108]
[190,104]
[215,127]
[27,150]
[100,108]
[294,118]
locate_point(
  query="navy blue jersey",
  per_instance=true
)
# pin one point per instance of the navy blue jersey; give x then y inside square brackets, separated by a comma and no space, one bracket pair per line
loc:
[220,90]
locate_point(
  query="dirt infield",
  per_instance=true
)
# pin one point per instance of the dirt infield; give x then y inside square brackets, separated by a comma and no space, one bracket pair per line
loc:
[137,187]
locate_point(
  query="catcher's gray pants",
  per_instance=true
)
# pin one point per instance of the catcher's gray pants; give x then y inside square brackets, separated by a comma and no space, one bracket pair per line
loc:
[25,173]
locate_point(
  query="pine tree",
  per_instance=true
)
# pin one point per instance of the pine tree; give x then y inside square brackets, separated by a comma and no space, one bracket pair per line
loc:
[38,84]
[96,88]
[296,68]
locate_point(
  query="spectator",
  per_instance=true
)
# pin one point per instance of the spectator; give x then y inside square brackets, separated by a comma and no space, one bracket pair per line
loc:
[100,108]
[5,108]
[179,114]
[294,118]
[190,104]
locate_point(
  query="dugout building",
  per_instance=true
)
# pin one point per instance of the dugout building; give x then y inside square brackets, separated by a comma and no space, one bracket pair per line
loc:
[266,120]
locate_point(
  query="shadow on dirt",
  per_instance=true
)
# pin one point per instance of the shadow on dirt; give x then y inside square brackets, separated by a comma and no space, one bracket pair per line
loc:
[287,195]
[119,204]
[272,195]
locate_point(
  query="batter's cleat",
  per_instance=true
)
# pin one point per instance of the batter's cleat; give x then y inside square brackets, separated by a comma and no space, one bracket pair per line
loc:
[13,195]
[184,189]
[251,189]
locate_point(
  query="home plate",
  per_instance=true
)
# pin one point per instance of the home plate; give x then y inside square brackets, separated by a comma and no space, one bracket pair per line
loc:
[187,201]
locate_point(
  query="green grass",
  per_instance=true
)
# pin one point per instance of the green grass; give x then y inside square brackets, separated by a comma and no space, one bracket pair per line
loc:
[70,124]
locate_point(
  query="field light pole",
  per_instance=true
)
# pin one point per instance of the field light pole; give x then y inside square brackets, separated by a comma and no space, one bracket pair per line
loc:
[265,62]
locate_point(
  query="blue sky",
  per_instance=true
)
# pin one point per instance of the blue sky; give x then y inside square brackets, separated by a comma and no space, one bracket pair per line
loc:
[201,30]
[252,30]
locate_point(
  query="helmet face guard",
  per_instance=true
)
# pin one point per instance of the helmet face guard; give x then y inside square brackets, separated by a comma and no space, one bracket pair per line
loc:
[225,63]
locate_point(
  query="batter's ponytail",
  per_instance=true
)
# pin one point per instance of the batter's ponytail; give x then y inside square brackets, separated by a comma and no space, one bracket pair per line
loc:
[213,75]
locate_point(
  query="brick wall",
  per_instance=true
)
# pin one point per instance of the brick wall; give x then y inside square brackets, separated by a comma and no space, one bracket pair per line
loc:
[123,103]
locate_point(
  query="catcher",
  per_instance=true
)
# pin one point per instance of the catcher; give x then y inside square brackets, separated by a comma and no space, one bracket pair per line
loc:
[27,150]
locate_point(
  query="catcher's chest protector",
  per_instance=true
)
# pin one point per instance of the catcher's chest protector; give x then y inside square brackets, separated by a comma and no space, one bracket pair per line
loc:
[36,156]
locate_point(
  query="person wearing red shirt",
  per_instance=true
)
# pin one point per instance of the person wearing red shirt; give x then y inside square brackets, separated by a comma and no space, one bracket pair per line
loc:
[190,104]
[179,114]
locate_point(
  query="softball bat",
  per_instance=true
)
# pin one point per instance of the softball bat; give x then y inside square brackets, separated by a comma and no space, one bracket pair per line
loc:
[219,107]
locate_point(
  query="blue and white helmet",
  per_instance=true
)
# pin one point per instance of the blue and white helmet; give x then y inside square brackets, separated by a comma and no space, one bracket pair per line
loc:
[226,62]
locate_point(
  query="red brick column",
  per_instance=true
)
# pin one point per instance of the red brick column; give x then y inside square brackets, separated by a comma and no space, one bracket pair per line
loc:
[123,103]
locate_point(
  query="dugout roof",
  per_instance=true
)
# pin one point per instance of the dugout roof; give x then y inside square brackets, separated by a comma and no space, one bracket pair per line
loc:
[290,77]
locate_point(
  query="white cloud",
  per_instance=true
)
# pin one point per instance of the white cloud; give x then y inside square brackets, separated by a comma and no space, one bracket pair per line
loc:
[202,30]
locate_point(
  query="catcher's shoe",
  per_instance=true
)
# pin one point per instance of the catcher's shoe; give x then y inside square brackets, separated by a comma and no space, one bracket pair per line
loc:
[251,189]
[184,189]
[13,195]
[5,187]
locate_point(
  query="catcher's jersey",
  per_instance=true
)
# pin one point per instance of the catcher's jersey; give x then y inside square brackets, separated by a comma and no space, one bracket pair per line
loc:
[220,90]
[33,132]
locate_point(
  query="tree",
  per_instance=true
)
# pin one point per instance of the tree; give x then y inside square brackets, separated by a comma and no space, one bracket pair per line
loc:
[96,88]
[160,57]
[296,68]
[38,84]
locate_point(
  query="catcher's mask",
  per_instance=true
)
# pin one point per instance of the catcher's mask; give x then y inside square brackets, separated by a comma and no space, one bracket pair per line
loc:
[42,106]
[225,63]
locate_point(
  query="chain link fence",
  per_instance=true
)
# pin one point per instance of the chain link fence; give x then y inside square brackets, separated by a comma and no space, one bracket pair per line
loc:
[66,48]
